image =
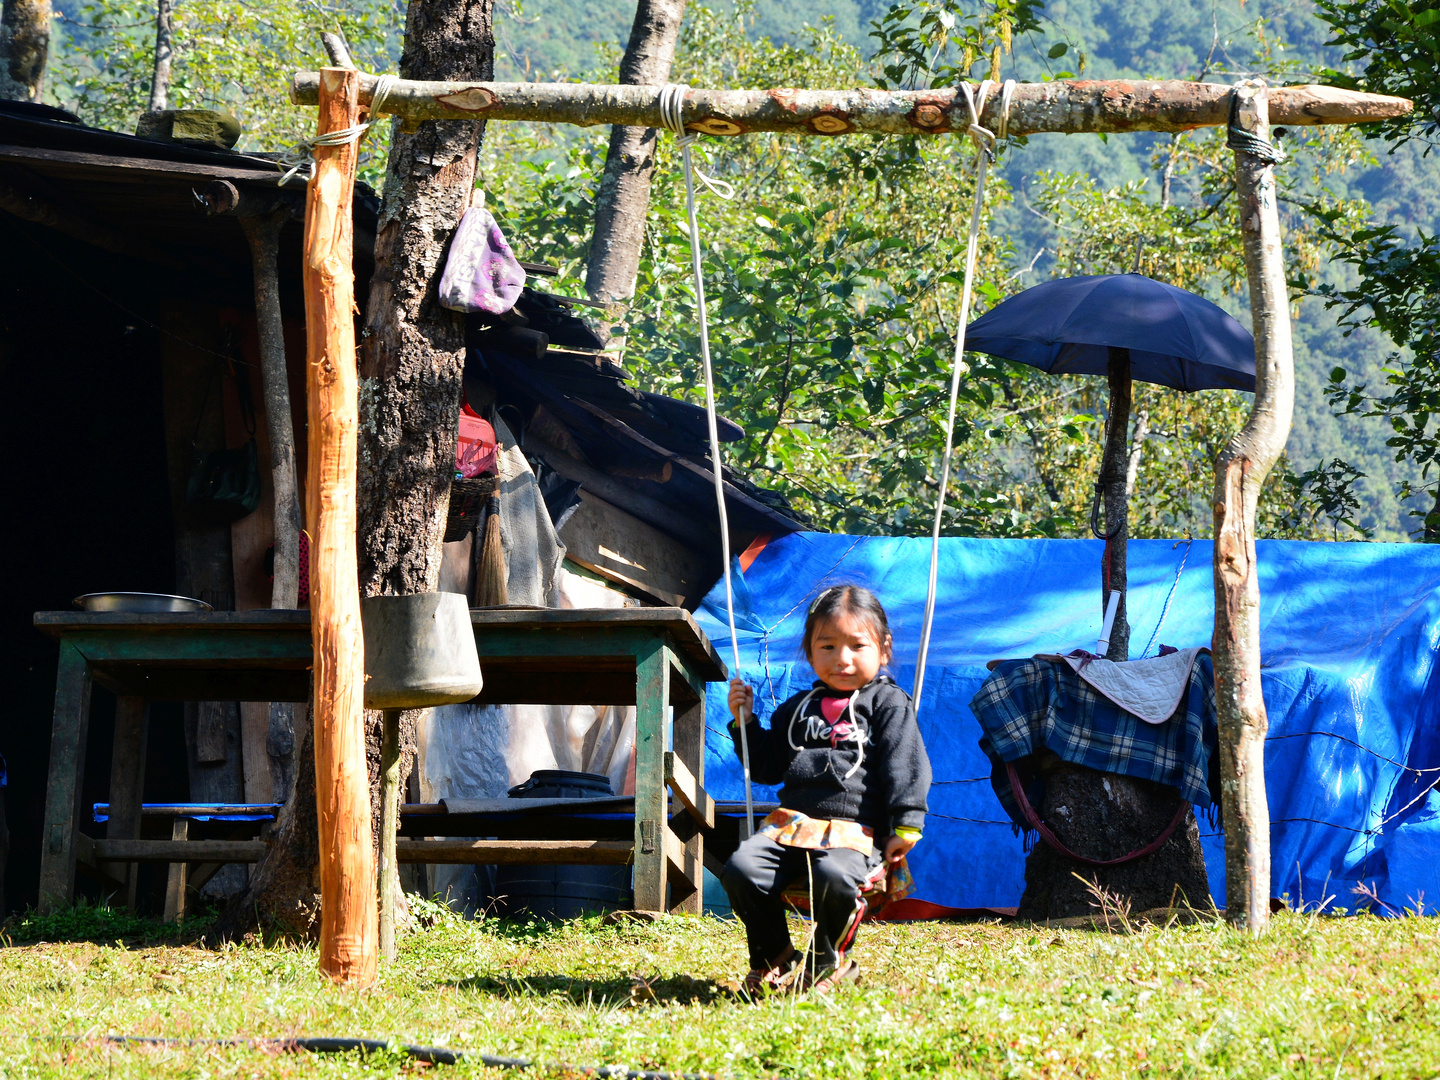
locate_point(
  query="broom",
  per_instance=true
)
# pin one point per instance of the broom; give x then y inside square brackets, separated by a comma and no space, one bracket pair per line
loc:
[490,570]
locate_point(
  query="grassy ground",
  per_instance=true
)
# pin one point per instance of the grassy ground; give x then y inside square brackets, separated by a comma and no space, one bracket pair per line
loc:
[1318,997]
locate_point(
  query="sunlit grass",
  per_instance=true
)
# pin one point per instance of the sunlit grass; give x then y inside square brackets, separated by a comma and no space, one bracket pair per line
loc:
[1318,997]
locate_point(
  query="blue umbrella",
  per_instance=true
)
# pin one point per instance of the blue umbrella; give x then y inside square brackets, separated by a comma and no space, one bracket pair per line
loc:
[1069,326]
[1101,325]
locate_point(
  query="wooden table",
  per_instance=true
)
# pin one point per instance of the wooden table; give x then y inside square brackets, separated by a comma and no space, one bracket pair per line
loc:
[648,657]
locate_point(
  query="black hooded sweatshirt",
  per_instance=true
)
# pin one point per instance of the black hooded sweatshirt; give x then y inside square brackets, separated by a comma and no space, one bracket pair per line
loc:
[872,769]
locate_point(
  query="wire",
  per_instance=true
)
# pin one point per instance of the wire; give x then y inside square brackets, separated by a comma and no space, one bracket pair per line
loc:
[435,1055]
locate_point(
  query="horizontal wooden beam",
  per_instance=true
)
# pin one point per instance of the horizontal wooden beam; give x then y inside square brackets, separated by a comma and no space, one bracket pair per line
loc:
[536,852]
[695,798]
[1066,106]
[191,851]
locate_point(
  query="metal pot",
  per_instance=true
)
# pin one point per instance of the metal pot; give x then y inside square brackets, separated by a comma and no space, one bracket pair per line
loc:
[419,651]
[145,603]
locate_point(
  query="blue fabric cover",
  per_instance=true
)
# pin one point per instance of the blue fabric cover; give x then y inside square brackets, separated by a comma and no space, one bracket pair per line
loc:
[1349,634]
[1027,705]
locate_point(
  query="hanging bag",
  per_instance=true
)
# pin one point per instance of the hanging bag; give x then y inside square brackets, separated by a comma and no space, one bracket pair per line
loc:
[481,272]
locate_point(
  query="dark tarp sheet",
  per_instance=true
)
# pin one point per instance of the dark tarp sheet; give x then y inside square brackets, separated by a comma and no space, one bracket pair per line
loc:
[1349,634]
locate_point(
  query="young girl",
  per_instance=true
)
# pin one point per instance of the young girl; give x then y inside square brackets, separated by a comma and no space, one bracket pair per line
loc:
[855,777]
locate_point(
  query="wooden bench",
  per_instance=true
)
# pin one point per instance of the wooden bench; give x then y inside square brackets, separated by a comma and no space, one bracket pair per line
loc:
[653,658]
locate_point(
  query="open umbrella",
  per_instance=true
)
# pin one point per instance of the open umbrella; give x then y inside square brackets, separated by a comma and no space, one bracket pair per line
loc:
[1124,326]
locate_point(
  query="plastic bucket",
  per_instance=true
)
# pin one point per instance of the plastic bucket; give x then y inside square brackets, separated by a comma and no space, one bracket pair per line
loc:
[561,892]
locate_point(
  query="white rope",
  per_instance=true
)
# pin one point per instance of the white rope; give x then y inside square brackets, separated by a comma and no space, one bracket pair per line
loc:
[985,142]
[302,154]
[672,106]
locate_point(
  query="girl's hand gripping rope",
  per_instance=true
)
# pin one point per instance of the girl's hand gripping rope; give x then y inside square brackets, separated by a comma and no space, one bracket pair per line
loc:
[741,701]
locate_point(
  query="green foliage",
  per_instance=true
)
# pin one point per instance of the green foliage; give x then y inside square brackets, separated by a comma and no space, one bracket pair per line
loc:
[84,921]
[228,54]
[1398,268]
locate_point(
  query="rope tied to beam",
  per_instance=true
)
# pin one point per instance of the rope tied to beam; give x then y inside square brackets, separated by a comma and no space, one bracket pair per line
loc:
[672,115]
[1247,142]
[986,142]
[301,156]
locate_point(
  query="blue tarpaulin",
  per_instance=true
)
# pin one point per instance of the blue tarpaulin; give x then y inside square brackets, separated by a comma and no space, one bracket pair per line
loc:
[1349,635]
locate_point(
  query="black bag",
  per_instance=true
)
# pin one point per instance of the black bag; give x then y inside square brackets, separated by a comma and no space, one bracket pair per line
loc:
[225,484]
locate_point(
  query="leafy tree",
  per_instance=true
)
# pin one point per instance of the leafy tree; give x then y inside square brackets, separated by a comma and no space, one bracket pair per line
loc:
[1393,48]
[228,54]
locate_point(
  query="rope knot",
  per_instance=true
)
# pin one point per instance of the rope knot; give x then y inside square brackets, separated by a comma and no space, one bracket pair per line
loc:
[301,156]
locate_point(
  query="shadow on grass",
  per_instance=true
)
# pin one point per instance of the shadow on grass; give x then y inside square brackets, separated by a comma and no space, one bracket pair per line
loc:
[102,925]
[621,990]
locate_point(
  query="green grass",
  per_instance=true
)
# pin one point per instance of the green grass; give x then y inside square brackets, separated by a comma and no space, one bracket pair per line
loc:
[1318,997]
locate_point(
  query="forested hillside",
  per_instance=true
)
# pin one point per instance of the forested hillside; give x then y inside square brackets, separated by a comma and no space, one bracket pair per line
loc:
[1116,38]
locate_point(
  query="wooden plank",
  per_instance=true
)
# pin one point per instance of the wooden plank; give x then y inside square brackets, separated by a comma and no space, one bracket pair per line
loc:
[687,762]
[537,852]
[732,493]
[63,790]
[85,860]
[175,881]
[179,849]
[682,782]
[619,546]
[652,694]
[255,761]
[686,875]
[197,810]
[127,777]
[141,170]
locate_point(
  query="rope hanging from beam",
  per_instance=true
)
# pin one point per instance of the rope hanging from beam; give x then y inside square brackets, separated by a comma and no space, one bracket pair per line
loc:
[985,143]
[672,111]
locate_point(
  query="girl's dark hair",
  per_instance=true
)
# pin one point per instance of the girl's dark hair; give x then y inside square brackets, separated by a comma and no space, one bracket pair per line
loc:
[854,600]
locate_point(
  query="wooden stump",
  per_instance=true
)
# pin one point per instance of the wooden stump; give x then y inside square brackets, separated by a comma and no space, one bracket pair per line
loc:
[1103,816]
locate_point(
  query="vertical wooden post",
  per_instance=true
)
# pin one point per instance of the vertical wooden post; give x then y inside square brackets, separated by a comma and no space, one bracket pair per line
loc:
[652,695]
[688,739]
[342,788]
[177,879]
[67,775]
[389,822]
[1114,475]
[1239,472]
[127,778]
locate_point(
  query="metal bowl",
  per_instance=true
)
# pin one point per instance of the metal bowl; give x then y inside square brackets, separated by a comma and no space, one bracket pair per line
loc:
[139,602]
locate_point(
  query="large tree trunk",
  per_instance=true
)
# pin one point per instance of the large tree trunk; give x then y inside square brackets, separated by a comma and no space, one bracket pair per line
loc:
[1239,474]
[24,47]
[1104,816]
[624,194]
[414,350]
[1066,106]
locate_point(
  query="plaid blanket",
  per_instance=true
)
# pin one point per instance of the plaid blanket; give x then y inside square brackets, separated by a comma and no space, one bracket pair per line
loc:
[1027,705]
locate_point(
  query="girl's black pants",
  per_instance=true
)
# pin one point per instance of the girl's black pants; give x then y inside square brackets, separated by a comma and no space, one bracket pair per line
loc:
[760,870]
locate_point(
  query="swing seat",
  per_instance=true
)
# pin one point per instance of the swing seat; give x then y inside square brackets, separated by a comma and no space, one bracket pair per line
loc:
[885,885]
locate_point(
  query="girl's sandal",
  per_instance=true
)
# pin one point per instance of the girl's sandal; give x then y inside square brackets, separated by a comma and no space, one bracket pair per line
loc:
[828,980]
[766,980]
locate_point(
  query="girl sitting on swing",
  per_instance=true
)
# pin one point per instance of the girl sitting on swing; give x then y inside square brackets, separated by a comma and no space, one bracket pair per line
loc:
[855,776]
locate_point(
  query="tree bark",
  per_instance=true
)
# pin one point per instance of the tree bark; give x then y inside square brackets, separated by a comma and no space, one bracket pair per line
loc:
[624,194]
[160,80]
[347,861]
[1239,474]
[1065,106]
[1114,471]
[1103,816]
[413,353]
[24,48]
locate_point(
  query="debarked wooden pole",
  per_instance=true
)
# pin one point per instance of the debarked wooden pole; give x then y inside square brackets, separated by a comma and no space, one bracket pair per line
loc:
[1240,472]
[342,787]
[1063,106]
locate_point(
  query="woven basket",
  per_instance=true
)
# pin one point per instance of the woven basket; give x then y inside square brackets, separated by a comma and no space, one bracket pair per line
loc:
[467,505]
